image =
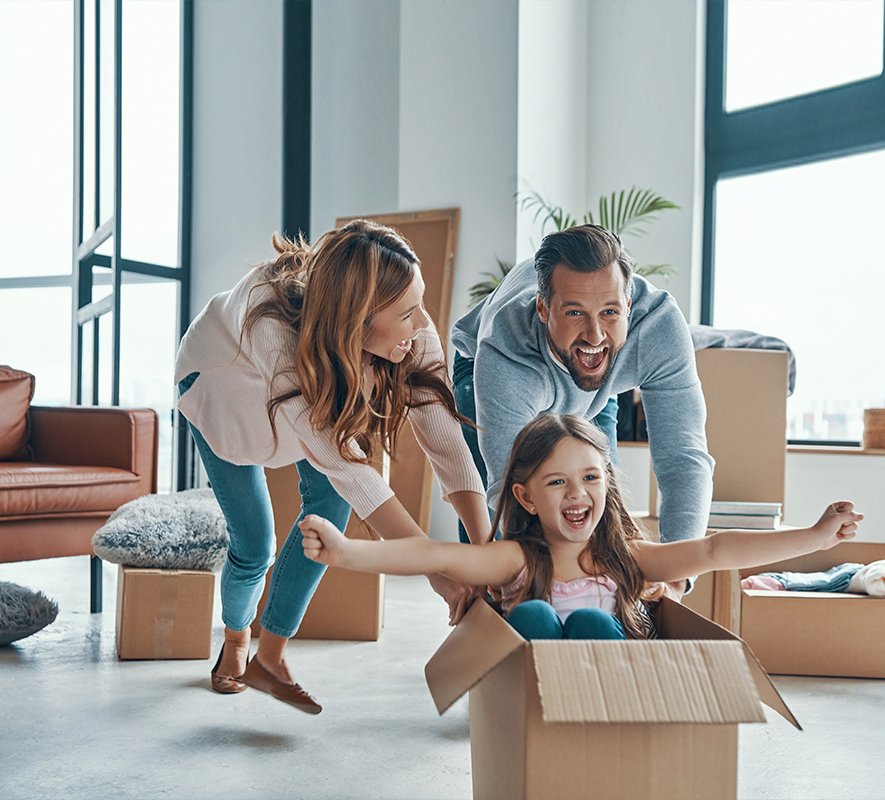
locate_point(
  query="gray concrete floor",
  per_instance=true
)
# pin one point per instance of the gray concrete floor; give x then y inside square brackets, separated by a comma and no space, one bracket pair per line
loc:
[77,723]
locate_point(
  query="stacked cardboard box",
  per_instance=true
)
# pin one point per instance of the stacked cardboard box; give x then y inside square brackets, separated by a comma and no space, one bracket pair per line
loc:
[164,613]
[347,605]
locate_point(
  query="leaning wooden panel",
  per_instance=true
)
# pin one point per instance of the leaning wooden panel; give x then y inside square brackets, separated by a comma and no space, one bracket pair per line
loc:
[433,236]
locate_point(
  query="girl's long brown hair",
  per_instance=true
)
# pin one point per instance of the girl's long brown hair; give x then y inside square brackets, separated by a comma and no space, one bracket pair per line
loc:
[607,552]
[328,294]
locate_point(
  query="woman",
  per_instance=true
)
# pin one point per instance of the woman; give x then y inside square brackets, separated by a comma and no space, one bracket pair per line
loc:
[316,359]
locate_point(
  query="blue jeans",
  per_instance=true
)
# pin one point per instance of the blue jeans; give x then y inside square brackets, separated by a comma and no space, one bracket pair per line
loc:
[537,619]
[245,502]
[465,400]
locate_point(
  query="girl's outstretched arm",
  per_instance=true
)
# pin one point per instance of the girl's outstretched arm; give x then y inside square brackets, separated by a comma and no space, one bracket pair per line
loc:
[739,549]
[493,564]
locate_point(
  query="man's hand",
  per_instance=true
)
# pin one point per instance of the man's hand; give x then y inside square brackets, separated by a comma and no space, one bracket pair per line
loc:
[675,590]
[322,541]
[457,595]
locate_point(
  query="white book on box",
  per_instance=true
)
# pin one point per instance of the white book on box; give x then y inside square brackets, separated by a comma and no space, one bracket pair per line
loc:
[752,521]
[746,509]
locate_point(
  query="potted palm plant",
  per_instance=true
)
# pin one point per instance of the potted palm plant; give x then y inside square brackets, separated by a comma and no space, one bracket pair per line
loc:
[627,213]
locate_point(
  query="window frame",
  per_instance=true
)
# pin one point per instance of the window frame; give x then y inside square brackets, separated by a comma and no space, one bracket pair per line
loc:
[843,120]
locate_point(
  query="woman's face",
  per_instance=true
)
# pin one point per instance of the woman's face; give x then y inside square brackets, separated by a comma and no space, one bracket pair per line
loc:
[394,328]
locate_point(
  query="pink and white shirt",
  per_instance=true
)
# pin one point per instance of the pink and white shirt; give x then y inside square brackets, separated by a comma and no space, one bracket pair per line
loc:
[592,591]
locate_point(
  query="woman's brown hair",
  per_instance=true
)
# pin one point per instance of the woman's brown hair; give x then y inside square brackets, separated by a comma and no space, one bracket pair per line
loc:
[607,552]
[328,294]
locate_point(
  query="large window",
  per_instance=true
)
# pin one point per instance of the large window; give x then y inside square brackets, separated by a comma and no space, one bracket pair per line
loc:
[36,174]
[96,315]
[795,196]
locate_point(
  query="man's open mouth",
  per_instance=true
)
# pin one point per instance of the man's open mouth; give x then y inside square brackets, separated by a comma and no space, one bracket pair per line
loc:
[591,358]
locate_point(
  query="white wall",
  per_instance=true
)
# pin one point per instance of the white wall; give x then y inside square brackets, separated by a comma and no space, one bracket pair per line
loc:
[238,140]
[553,95]
[644,123]
[355,110]
[458,78]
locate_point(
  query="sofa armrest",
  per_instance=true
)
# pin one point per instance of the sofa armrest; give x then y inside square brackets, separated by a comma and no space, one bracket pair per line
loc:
[97,437]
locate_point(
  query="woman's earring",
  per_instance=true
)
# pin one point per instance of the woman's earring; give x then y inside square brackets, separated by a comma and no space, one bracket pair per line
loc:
[533,511]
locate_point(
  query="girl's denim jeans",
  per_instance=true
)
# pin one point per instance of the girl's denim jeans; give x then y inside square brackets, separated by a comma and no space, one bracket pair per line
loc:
[537,619]
[245,502]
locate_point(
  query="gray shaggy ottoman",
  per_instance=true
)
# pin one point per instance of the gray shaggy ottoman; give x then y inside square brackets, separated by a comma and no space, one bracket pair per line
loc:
[184,530]
[23,612]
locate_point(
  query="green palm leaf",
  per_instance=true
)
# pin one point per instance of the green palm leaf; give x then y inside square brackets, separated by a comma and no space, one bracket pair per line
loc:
[546,211]
[662,270]
[629,211]
[479,291]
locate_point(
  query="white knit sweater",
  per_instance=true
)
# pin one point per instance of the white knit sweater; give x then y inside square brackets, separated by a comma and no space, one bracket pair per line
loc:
[228,404]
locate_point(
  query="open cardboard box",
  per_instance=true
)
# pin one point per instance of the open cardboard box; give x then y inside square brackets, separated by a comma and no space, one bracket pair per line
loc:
[813,633]
[602,719]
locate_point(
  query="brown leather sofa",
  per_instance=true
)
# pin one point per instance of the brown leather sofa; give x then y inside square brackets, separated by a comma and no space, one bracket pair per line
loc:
[87,461]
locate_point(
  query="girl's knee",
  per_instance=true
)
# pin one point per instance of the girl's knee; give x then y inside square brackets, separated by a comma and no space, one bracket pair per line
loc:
[535,619]
[593,623]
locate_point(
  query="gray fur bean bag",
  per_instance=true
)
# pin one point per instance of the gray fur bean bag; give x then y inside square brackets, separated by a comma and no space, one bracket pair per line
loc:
[184,530]
[23,612]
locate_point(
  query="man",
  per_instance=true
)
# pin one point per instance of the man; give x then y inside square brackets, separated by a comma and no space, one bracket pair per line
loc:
[566,334]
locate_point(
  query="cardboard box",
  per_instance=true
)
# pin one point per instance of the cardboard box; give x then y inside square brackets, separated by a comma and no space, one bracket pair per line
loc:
[815,633]
[164,613]
[745,392]
[347,605]
[598,719]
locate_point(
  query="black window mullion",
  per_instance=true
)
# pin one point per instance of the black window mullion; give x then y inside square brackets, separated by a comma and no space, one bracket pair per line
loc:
[96,212]
[116,272]
[76,330]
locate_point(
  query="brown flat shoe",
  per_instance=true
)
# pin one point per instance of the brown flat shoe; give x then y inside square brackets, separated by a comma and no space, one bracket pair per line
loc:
[227,684]
[259,678]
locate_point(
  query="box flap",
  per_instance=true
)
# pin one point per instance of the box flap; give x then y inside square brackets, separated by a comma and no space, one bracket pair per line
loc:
[675,621]
[645,681]
[477,644]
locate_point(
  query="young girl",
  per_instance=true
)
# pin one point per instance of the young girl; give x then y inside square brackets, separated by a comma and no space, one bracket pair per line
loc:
[573,563]
[316,358]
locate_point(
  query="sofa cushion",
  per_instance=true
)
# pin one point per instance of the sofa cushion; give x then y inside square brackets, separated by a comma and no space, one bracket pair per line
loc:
[16,391]
[29,489]
[23,612]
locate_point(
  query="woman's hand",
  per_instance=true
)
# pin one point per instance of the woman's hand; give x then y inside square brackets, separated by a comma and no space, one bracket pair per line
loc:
[457,595]
[837,523]
[322,541]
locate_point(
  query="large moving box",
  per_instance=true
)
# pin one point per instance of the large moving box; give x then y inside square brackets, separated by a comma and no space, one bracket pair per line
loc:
[164,613]
[595,719]
[745,392]
[347,605]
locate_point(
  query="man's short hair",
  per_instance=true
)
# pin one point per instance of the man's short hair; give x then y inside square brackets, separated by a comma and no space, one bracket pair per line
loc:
[584,248]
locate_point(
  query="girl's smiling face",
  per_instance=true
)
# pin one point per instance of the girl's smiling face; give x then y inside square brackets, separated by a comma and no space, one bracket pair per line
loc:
[567,491]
